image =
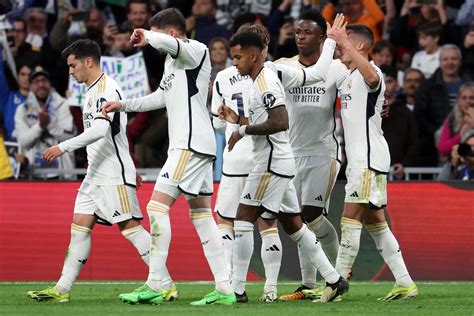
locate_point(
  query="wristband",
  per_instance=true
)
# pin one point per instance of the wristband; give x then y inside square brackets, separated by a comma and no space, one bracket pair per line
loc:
[242,130]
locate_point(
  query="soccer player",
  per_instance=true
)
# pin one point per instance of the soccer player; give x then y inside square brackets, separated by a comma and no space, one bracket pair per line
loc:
[108,193]
[311,111]
[268,187]
[188,169]
[368,157]
[232,89]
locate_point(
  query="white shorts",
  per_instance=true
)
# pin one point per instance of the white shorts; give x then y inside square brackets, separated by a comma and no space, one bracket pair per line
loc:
[228,196]
[109,203]
[269,191]
[365,186]
[185,172]
[314,180]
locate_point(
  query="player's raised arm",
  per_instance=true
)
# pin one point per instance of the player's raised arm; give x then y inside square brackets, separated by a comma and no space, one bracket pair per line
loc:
[364,44]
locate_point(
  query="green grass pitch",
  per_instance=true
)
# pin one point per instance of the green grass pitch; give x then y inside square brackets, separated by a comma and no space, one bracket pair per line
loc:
[100,298]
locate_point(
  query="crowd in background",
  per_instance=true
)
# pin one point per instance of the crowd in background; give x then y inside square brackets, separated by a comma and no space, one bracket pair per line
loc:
[425,49]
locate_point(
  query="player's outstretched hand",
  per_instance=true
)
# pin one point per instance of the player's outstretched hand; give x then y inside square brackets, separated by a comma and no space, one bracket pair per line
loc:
[226,113]
[234,138]
[138,38]
[111,106]
[337,31]
[52,153]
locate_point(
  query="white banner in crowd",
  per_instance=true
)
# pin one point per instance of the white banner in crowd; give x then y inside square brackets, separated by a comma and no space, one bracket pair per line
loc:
[130,74]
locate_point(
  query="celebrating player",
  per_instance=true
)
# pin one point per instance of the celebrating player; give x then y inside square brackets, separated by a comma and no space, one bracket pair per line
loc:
[311,111]
[188,169]
[268,187]
[232,89]
[368,157]
[108,193]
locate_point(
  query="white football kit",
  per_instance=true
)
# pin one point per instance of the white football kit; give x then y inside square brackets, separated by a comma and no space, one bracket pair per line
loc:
[368,156]
[232,89]
[311,111]
[183,90]
[108,190]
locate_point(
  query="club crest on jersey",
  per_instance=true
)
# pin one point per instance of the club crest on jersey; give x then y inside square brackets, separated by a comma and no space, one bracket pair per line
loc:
[349,83]
[89,104]
[268,100]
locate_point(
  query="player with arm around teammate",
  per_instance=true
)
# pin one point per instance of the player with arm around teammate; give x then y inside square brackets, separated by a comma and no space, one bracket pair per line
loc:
[268,187]
[108,193]
[368,161]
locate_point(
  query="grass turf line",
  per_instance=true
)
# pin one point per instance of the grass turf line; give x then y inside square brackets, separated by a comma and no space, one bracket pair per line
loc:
[101,299]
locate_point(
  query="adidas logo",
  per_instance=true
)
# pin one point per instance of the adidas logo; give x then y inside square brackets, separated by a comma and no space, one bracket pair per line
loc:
[247,196]
[354,194]
[319,198]
[273,248]
[83,261]
[146,253]
[155,235]
[205,242]
[226,237]
[116,213]
[165,175]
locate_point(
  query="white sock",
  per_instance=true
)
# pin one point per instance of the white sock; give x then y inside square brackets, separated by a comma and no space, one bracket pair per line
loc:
[76,256]
[326,233]
[310,247]
[160,233]
[388,247]
[349,248]
[271,253]
[243,249]
[212,245]
[141,240]
[227,234]
[308,271]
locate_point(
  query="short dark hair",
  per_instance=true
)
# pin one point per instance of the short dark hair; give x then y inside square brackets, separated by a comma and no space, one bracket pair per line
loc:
[256,28]
[315,16]
[247,39]
[418,71]
[81,49]
[129,3]
[168,18]
[430,28]
[362,30]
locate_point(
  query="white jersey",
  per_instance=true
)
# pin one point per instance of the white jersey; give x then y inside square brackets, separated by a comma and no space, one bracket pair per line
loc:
[360,110]
[311,109]
[109,157]
[232,89]
[273,150]
[186,84]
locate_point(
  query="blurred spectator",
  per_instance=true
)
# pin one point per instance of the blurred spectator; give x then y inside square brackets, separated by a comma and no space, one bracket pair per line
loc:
[36,27]
[435,99]
[219,51]
[465,14]
[427,59]
[399,127]
[461,164]
[118,42]
[138,13]
[468,53]
[10,98]
[202,25]
[6,171]
[43,121]
[286,45]
[21,50]
[383,53]
[454,125]
[94,24]
[411,82]
[229,10]
[359,12]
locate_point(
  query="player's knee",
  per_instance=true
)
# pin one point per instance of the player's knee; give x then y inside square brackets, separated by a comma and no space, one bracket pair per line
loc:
[309,213]
[264,223]
[291,222]
[154,208]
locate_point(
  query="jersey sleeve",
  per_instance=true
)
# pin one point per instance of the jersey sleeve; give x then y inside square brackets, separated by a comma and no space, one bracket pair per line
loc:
[163,42]
[290,77]
[217,98]
[271,92]
[379,73]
